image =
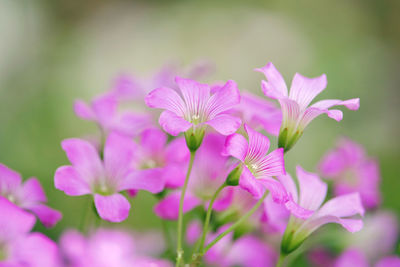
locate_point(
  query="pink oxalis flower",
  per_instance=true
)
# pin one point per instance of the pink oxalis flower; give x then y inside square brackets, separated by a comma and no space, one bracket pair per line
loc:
[351,170]
[297,113]
[19,247]
[197,109]
[89,174]
[28,195]
[311,195]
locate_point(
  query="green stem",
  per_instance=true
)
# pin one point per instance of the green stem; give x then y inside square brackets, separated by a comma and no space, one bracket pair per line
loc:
[179,250]
[280,260]
[237,223]
[208,216]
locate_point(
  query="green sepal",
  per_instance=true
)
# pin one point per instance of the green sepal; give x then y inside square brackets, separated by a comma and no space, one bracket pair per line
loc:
[234,176]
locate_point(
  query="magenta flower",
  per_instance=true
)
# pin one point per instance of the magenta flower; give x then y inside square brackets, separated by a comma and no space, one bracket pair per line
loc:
[259,113]
[257,166]
[106,248]
[28,195]
[104,178]
[209,172]
[312,193]
[197,109]
[389,261]
[297,113]
[18,247]
[104,111]
[352,171]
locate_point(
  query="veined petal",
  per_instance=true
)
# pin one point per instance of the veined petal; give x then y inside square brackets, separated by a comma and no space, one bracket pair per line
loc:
[48,216]
[248,182]
[195,94]
[277,191]
[225,124]
[84,157]
[168,207]
[236,146]
[276,86]
[10,180]
[315,222]
[32,192]
[166,98]
[258,145]
[312,189]
[290,186]
[113,208]
[151,180]
[173,124]
[352,104]
[224,99]
[83,111]
[290,112]
[343,206]
[119,152]
[304,90]
[69,180]
[272,164]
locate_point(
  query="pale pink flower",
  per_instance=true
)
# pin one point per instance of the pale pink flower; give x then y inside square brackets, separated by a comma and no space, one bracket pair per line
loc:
[28,195]
[104,179]
[297,113]
[351,170]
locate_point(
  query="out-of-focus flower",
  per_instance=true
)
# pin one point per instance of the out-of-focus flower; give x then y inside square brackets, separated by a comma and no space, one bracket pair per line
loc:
[104,179]
[350,258]
[257,167]
[297,113]
[105,248]
[18,247]
[390,261]
[28,195]
[312,193]
[259,113]
[196,110]
[246,251]
[209,172]
[352,171]
[104,111]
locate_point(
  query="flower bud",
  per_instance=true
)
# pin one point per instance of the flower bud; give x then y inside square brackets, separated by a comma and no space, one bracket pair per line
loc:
[194,138]
[287,139]
[234,176]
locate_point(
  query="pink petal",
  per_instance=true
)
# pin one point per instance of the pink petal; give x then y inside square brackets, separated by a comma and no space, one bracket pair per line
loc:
[343,206]
[224,200]
[276,189]
[352,257]
[149,179]
[153,141]
[105,108]
[224,99]
[174,175]
[272,164]
[236,146]
[131,124]
[48,216]
[195,94]
[312,189]
[389,261]
[83,111]
[166,98]
[168,208]
[193,232]
[113,208]
[352,104]
[258,144]
[177,151]
[249,183]
[10,180]
[304,90]
[68,179]
[17,222]
[290,112]
[32,192]
[173,124]
[84,157]
[290,186]
[119,152]
[225,124]
[276,86]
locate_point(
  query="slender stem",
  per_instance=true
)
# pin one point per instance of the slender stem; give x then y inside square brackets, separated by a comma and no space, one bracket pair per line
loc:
[280,260]
[179,250]
[208,216]
[237,223]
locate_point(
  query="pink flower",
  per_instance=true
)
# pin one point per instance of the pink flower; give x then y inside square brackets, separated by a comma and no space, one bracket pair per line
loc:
[312,193]
[28,195]
[389,261]
[259,113]
[352,171]
[351,257]
[106,248]
[297,113]
[209,172]
[197,109]
[104,178]
[18,247]
[257,166]
[104,111]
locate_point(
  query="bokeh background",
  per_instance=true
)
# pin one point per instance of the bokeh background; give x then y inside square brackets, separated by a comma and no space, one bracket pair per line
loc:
[52,52]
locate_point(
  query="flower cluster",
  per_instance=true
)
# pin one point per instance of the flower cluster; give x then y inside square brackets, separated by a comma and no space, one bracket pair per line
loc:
[208,159]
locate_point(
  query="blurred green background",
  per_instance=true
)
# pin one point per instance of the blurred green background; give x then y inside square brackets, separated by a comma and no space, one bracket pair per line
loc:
[52,52]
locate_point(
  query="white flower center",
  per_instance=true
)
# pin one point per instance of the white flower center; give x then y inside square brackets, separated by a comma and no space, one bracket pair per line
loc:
[254,166]
[11,198]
